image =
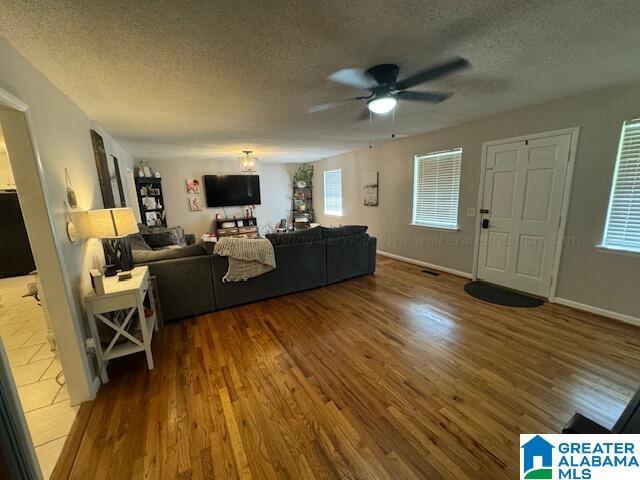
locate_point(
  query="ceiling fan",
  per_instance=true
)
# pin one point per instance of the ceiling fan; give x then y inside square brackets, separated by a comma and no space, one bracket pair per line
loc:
[386,90]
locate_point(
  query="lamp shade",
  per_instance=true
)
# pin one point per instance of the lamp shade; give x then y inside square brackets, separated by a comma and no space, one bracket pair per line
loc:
[112,222]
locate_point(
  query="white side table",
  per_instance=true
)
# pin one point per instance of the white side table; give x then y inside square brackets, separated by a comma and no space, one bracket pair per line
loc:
[124,298]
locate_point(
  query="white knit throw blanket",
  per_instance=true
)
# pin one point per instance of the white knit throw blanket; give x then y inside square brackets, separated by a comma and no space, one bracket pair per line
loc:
[248,257]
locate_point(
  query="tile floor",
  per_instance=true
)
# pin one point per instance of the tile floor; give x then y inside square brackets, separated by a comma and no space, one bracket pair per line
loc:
[35,368]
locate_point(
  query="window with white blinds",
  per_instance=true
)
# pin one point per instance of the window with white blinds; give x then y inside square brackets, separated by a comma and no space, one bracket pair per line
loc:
[622,230]
[436,187]
[333,192]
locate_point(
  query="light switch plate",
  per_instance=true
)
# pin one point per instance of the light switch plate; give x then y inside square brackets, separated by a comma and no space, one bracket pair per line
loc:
[471,212]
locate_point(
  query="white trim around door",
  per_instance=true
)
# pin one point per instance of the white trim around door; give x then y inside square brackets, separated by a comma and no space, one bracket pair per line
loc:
[573,132]
[57,298]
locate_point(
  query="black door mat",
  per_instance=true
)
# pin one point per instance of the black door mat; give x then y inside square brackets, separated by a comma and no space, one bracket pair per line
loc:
[500,296]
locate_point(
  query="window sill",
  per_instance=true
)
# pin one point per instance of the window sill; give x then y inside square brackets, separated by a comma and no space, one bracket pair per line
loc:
[435,227]
[617,251]
[332,215]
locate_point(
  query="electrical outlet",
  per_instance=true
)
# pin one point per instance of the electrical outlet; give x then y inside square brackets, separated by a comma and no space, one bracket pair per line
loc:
[471,212]
[90,344]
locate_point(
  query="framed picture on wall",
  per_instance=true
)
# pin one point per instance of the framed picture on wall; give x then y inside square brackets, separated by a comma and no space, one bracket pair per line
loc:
[116,182]
[370,189]
[195,204]
[193,185]
[108,174]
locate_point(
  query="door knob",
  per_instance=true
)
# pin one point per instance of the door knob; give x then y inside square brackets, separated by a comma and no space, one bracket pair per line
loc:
[485,223]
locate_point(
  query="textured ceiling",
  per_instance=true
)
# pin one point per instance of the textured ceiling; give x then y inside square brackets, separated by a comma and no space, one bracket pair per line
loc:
[206,79]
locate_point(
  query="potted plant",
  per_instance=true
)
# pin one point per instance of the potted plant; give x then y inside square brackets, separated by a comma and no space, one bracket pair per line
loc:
[303,176]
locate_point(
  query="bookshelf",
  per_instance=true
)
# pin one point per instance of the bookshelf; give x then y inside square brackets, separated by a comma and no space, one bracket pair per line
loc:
[151,201]
[302,207]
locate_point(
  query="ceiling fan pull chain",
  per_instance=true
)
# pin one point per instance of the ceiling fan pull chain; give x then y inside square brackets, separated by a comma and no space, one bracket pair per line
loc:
[393,123]
[370,129]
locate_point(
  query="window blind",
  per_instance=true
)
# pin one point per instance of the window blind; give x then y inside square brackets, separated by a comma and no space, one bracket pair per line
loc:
[622,230]
[333,192]
[436,187]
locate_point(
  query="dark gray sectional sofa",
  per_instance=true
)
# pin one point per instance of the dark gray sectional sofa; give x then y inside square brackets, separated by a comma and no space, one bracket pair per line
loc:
[312,258]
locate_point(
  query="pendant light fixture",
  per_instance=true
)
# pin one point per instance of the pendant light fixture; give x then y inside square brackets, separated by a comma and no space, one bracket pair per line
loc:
[248,162]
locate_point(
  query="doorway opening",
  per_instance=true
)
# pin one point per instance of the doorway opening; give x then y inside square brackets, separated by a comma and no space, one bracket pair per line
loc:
[25,330]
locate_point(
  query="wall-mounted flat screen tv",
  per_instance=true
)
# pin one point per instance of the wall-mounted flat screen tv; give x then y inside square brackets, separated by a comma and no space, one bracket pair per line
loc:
[232,190]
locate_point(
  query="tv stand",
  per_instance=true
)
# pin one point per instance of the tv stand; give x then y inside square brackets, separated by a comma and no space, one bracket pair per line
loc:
[236,227]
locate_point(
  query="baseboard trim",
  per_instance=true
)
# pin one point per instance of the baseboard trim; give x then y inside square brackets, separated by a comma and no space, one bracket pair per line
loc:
[95,386]
[420,263]
[598,311]
[560,301]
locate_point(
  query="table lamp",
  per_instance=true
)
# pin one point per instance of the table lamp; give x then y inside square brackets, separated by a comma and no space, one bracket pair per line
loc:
[112,225]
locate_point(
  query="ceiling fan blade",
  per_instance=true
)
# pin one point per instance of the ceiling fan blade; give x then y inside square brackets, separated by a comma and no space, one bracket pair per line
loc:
[364,115]
[354,77]
[432,97]
[327,106]
[432,73]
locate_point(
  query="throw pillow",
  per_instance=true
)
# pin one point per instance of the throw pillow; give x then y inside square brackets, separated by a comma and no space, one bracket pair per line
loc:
[144,229]
[141,256]
[136,240]
[161,237]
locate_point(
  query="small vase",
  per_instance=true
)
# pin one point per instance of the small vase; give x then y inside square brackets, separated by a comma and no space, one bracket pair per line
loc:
[301,184]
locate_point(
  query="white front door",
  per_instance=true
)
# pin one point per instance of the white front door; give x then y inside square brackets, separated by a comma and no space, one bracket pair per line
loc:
[524,184]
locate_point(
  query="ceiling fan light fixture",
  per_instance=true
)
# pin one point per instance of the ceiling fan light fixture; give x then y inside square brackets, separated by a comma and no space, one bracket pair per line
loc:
[382,105]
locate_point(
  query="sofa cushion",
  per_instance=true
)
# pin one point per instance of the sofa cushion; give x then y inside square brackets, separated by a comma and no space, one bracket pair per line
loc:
[185,286]
[161,237]
[348,256]
[344,231]
[136,240]
[295,238]
[145,256]
[299,267]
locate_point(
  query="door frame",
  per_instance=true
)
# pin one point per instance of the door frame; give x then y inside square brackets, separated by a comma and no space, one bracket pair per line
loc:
[566,194]
[57,300]
[15,440]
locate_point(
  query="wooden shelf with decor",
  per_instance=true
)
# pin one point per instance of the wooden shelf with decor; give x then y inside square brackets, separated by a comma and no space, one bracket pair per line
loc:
[302,211]
[149,191]
[236,227]
[302,199]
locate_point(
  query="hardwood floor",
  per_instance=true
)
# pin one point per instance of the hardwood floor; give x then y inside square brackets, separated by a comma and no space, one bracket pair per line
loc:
[396,375]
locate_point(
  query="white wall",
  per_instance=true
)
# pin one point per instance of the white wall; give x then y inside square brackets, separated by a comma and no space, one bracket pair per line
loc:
[275,192]
[587,275]
[62,139]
